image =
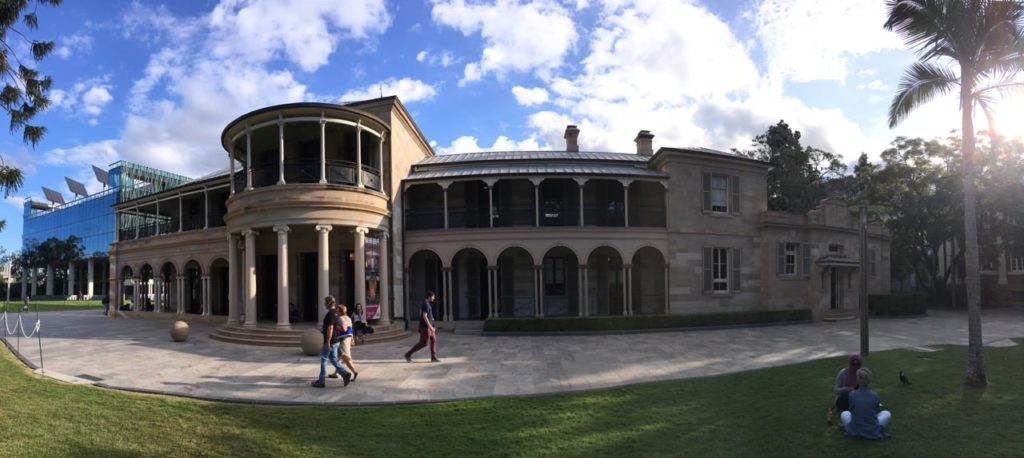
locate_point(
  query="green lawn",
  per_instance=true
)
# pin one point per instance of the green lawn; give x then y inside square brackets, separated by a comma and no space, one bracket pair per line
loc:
[49,306]
[771,412]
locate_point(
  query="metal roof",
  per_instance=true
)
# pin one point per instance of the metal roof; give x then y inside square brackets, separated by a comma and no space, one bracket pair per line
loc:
[535,169]
[531,156]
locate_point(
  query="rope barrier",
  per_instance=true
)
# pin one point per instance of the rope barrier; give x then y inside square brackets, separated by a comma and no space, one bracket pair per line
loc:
[19,331]
[16,325]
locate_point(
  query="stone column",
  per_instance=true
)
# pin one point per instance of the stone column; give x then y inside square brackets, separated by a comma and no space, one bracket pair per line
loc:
[156,293]
[536,200]
[323,150]
[585,297]
[231,182]
[89,274]
[444,192]
[250,278]
[180,303]
[323,277]
[582,182]
[72,273]
[385,280]
[627,290]
[233,280]
[204,294]
[668,289]
[248,158]
[625,200]
[492,291]
[282,277]
[49,280]
[538,290]
[446,285]
[360,266]
[280,150]
[490,201]
[359,154]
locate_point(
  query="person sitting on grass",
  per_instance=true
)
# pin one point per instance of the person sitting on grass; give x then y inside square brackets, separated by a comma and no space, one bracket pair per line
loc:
[865,419]
[846,381]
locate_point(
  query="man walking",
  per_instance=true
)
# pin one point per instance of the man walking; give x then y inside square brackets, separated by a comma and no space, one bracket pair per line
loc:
[332,339]
[427,331]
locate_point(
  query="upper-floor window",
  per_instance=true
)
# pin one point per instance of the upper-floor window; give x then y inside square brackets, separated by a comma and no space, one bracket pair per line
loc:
[872,264]
[835,248]
[789,267]
[721,193]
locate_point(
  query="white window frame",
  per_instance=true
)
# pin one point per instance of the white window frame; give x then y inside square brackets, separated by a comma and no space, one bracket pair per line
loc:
[723,191]
[790,259]
[1017,260]
[720,270]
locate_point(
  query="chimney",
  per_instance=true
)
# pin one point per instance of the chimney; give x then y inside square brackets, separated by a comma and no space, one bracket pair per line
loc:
[572,133]
[644,143]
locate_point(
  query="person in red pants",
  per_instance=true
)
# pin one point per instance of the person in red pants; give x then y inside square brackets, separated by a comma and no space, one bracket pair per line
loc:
[427,331]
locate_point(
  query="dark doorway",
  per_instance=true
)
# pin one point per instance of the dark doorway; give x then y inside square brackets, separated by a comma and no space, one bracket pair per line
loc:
[266,287]
[308,279]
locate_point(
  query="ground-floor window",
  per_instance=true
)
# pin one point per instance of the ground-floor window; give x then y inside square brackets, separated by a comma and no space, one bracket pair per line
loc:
[554,276]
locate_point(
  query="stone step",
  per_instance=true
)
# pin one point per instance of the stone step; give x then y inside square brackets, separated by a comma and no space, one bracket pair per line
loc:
[839,317]
[253,341]
[292,338]
[469,327]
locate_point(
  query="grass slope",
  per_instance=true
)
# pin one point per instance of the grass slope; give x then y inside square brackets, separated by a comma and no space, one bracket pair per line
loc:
[771,412]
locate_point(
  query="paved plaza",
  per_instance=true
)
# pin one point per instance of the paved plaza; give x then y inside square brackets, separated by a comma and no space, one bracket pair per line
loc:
[138,354]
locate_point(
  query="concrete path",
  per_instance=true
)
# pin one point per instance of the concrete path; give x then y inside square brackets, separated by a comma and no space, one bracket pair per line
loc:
[138,354]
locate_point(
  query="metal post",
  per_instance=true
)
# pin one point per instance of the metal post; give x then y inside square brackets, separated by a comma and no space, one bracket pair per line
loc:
[863,280]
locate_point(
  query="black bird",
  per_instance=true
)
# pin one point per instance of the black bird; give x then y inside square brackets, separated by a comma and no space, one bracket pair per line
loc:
[903,379]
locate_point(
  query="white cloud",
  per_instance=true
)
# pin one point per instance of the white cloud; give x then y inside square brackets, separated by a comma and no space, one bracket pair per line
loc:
[470,144]
[95,99]
[875,85]
[804,41]
[511,33]
[16,202]
[71,44]
[408,90]
[305,31]
[85,98]
[100,153]
[530,96]
[207,70]
[444,59]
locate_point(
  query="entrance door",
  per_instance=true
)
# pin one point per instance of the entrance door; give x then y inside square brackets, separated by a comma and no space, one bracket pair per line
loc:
[835,284]
[266,287]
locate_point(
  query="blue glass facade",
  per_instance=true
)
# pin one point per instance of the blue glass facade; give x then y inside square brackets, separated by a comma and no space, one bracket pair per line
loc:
[91,219]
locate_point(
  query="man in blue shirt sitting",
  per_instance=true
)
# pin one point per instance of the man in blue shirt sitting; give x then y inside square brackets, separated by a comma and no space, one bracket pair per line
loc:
[865,419]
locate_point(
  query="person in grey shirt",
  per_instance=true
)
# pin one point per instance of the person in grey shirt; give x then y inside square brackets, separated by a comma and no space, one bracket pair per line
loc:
[865,419]
[846,381]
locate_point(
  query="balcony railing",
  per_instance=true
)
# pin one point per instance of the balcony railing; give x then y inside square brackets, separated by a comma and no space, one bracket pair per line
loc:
[337,172]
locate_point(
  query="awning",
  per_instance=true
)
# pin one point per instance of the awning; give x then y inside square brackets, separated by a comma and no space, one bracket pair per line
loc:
[837,260]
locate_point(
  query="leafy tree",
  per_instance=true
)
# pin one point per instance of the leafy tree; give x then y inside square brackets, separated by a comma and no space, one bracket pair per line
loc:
[982,41]
[796,182]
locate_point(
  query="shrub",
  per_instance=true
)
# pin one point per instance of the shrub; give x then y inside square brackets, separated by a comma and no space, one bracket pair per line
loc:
[896,305]
[642,322]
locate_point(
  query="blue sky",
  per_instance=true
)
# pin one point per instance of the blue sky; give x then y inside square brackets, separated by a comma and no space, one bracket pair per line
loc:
[155,82]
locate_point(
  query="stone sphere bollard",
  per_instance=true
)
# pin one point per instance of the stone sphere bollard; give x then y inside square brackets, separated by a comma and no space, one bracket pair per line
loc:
[179,331]
[312,340]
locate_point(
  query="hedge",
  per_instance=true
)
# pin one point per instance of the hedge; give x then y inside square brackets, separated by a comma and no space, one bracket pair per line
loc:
[896,305]
[642,322]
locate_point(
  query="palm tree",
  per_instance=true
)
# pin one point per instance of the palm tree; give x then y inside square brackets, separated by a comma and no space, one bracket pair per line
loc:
[981,40]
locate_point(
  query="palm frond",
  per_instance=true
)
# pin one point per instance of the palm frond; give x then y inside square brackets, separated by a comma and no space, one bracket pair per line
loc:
[919,84]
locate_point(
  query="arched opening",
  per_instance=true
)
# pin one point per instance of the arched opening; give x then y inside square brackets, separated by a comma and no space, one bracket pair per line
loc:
[604,278]
[127,289]
[469,285]
[168,293]
[604,203]
[514,203]
[424,207]
[646,204]
[559,202]
[468,204]
[515,283]
[219,287]
[144,295]
[424,275]
[648,282]
[193,299]
[560,282]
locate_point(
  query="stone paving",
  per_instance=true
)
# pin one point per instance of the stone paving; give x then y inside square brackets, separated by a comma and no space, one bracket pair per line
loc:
[138,354]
